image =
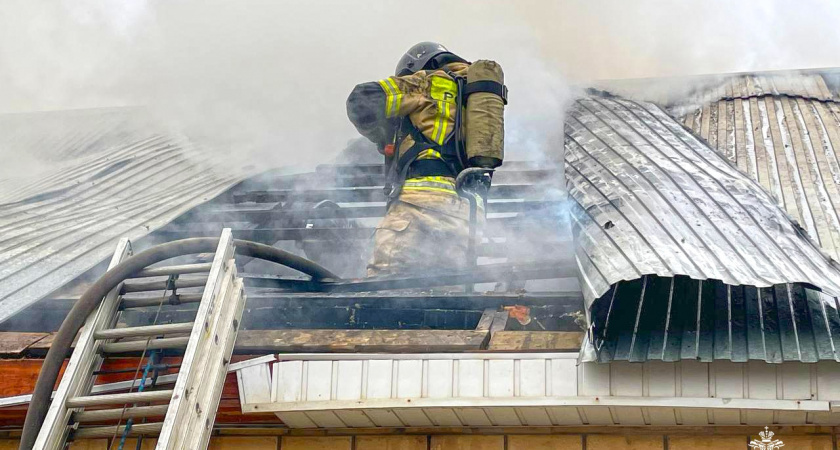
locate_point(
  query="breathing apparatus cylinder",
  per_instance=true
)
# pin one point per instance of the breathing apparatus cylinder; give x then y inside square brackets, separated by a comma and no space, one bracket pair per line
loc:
[484,120]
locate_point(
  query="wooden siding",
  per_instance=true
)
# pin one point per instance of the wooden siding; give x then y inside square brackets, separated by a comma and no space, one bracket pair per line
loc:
[618,441]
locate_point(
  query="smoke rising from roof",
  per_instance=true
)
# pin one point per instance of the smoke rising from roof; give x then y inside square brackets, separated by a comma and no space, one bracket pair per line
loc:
[264,82]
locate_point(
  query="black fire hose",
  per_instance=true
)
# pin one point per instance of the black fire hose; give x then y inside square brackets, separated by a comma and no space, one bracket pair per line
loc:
[90,300]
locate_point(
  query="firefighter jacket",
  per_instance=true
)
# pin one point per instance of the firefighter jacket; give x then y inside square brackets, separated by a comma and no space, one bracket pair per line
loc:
[427,98]
[427,227]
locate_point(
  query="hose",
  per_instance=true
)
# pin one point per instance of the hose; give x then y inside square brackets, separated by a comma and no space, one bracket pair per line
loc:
[90,300]
[459,104]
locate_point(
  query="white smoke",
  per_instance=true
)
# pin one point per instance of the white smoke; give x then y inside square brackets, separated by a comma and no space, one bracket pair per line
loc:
[264,82]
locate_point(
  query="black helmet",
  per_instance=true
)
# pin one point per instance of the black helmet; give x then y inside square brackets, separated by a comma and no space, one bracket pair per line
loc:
[425,55]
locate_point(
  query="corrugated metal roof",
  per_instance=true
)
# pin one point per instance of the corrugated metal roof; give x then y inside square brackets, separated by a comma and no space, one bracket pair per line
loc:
[104,174]
[744,86]
[790,144]
[652,199]
[672,319]
[690,91]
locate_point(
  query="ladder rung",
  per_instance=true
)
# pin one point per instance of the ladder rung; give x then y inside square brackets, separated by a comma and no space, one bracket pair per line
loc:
[138,346]
[150,330]
[140,429]
[113,414]
[161,285]
[119,399]
[174,270]
[144,302]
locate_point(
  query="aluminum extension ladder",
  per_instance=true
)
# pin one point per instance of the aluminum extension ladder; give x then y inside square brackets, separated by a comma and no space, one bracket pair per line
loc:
[189,408]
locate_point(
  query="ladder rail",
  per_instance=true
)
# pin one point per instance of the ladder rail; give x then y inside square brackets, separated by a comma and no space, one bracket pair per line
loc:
[78,379]
[215,364]
[189,421]
[193,401]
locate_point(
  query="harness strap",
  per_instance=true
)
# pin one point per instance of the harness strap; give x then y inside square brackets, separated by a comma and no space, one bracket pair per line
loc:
[399,172]
[488,86]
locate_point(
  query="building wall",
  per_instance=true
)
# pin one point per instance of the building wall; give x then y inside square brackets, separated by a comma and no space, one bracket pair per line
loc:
[792,441]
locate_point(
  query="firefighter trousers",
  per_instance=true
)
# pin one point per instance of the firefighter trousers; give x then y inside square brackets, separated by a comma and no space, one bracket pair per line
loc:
[423,231]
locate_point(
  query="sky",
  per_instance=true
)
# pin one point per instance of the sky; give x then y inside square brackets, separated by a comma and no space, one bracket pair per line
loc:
[266,81]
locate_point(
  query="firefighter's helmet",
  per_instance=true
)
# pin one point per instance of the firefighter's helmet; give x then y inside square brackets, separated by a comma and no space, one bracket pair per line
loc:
[425,55]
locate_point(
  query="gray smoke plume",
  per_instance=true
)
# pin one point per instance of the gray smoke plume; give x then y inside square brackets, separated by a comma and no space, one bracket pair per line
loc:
[261,84]
[269,78]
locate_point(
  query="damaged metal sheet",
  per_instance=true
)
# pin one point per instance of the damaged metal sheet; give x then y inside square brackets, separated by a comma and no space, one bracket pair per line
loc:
[652,199]
[789,144]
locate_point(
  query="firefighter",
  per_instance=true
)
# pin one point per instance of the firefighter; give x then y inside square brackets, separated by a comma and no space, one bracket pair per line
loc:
[416,119]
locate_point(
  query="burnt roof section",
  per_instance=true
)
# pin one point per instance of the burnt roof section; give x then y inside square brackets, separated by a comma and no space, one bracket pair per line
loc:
[329,216]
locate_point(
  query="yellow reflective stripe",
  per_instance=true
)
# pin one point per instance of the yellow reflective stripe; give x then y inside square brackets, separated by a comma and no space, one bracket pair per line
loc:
[437,123]
[444,122]
[443,89]
[441,122]
[432,185]
[435,179]
[425,188]
[399,95]
[389,94]
[429,154]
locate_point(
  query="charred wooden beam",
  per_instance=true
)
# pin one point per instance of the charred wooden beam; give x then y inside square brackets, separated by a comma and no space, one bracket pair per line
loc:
[391,341]
[271,211]
[376,194]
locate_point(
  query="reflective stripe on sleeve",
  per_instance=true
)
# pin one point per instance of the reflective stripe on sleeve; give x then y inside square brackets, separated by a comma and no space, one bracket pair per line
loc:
[389,95]
[394,97]
[398,96]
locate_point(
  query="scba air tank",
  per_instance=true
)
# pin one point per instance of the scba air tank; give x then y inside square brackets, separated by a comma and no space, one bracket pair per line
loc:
[484,119]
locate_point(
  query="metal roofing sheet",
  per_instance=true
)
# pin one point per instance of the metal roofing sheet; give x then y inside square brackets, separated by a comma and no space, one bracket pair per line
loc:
[791,146]
[104,174]
[677,318]
[690,91]
[653,199]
